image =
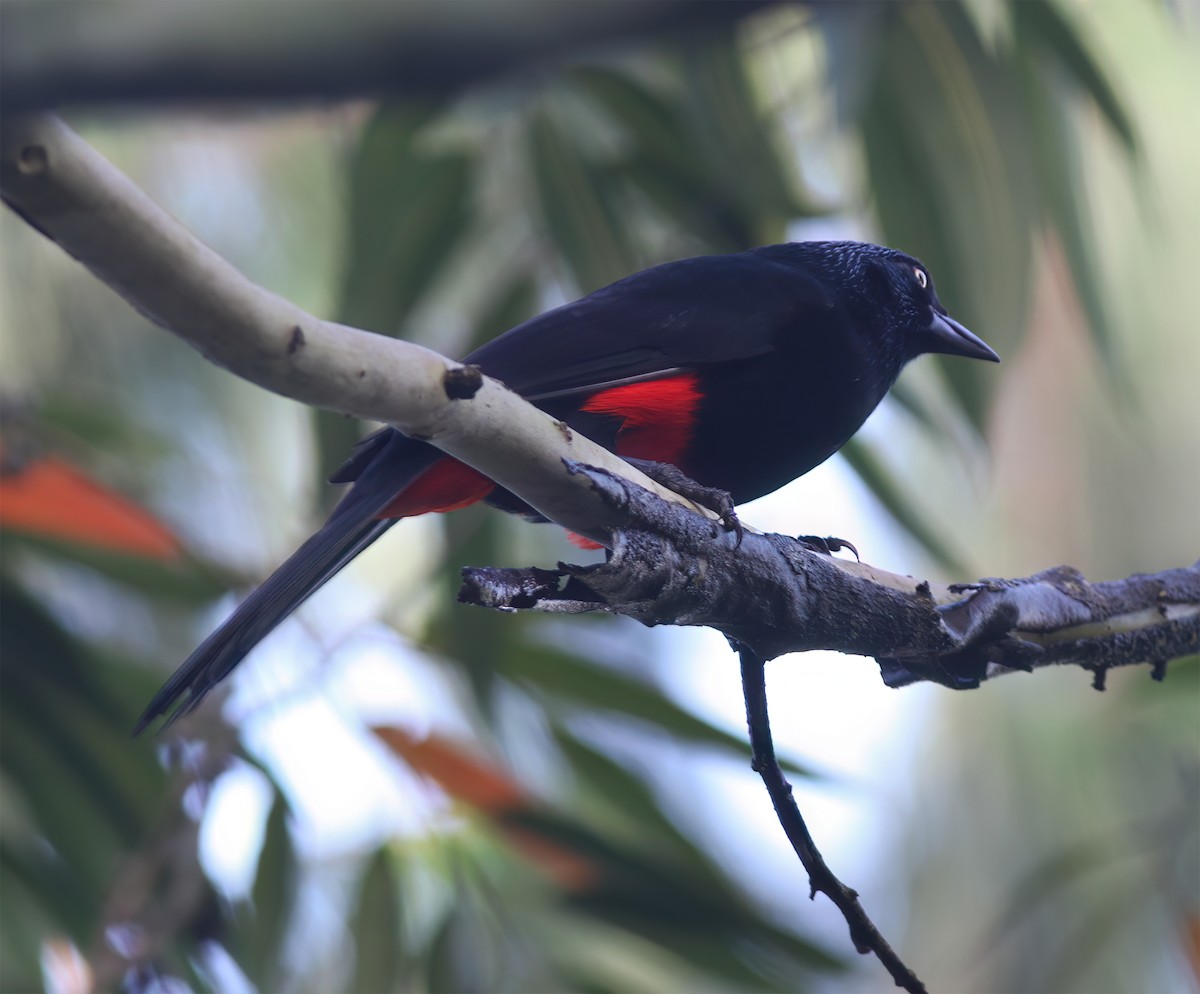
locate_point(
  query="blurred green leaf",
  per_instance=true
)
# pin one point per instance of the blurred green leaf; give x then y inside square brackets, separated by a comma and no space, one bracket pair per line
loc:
[472,640]
[378,954]
[652,125]
[43,895]
[187,582]
[627,794]
[581,222]
[738,138]
[917,403]
[517,301]
[82,425]
[262,927]
[1056,872]
[1055,147]
[66,742]
[410,204]
[901,505]
[692,915]
[592,687]
[466,956]
[944,139]
[1041,24]
[663,159]
[73,813]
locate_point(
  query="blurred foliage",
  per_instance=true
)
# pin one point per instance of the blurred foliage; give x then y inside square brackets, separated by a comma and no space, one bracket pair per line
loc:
[546,858]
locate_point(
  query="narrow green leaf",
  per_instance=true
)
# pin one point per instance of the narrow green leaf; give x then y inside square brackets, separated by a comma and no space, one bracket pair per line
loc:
[69,807]
[55,712]
[1042,23]
[378,957]
[516,301]
[410,204]
[663,900]
[1061,179]
[409,210]
[466,955]
[1050,876]
[32,875]
[666,162]
[739,141]
[953,182]
[599,688]
[853,35]
[650,122]
[626,793]
[263,926]
[582,226]
[188,582]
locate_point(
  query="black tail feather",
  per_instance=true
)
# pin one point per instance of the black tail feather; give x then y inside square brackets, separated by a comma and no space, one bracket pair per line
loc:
[351,527]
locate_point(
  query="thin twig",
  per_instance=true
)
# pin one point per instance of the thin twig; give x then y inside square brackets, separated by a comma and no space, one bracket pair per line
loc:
[864,934]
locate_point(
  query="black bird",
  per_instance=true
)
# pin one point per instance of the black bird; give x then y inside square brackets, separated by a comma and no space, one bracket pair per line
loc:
[744,371]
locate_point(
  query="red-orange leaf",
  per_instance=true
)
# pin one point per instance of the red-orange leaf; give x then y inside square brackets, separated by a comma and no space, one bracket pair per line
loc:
[49,498]
[491,792]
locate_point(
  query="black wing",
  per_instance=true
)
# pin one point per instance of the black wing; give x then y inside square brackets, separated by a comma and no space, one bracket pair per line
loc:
[682,314]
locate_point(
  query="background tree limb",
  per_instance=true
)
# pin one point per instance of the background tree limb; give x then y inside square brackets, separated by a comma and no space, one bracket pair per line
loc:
[79,51]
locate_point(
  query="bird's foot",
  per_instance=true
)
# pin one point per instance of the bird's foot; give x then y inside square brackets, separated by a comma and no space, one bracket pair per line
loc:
[715,499]
[827,545]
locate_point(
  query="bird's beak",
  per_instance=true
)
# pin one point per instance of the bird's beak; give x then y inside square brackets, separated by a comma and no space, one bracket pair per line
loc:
[950,338]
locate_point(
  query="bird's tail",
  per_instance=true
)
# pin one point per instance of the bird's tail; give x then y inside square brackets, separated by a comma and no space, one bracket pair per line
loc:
[385,464]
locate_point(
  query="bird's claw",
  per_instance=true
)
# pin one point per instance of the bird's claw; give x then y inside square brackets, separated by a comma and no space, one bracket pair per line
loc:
[827,544]
[727,515]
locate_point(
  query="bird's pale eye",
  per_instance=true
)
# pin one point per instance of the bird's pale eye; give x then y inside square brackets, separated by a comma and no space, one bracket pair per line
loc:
[922,277]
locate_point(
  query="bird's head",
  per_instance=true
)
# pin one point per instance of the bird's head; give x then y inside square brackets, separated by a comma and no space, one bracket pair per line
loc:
[888,284]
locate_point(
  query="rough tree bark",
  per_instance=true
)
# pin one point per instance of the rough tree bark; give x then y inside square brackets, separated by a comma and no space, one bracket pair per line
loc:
[775,595]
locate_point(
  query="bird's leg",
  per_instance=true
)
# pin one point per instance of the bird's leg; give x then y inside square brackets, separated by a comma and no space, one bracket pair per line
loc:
[715,499]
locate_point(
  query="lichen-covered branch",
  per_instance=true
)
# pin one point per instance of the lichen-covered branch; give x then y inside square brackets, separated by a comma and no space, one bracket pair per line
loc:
[776,594]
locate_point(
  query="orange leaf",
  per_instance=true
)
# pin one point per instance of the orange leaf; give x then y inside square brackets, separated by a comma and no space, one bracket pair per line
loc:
[460,775]
[491,792]
[50,498]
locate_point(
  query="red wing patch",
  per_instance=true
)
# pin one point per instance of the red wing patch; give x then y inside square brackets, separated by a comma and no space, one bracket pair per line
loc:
[446,486]
[581,542]
[657,420]
[658,416]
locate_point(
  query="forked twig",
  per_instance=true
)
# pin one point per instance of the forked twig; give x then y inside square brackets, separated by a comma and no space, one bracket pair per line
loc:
[866,937]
